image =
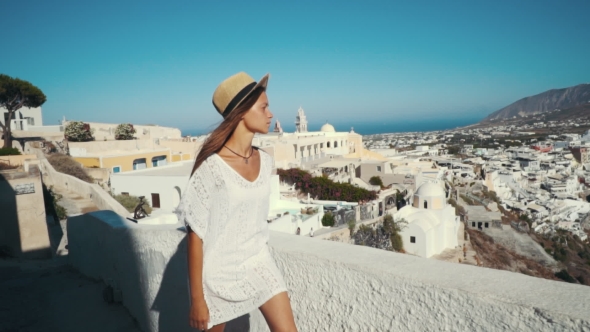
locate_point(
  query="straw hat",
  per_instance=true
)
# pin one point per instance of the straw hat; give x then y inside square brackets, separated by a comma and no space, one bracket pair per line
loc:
[233,90]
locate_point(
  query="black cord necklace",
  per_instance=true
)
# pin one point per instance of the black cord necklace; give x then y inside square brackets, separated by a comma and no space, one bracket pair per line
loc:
[237,154]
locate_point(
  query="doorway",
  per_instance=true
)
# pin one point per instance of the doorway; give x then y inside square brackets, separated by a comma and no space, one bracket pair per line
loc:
[156,200]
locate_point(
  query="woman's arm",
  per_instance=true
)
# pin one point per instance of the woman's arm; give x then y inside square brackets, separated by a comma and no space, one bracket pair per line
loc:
[199,315]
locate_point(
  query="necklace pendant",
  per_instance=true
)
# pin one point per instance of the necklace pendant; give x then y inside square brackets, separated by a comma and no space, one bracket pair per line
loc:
[246,160]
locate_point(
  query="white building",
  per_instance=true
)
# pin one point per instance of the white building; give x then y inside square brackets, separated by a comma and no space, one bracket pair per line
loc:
[163,187]
[432,226]
[296,149]
[23,118]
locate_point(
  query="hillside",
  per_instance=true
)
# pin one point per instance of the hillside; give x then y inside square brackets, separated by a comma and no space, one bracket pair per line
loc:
[546,101]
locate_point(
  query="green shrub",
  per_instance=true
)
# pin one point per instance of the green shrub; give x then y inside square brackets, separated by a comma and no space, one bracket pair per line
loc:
[67,165]
[51,200]
[324,188]
[60,211]
[351,226]
[130,202]
[376,181]
[328,219]
[9,152]
[396,242]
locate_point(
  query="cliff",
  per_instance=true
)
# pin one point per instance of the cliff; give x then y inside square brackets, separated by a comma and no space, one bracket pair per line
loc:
[546,101]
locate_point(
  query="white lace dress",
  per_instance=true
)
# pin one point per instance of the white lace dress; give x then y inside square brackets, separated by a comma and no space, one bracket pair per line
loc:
[229,213]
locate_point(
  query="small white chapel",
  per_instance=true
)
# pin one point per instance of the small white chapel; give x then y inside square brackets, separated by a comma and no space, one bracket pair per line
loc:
[432,225]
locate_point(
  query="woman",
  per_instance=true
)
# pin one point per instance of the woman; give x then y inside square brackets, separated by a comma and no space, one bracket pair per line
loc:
[225,207]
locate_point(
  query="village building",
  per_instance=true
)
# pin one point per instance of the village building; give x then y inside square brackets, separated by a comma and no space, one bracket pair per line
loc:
[24,118]
[431,223]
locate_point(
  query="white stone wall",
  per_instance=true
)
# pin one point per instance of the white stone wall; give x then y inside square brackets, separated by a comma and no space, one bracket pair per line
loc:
[333,286]
[170,188]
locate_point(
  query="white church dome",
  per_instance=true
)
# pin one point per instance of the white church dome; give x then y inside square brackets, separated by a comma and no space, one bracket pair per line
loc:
[430,189]
[328,128]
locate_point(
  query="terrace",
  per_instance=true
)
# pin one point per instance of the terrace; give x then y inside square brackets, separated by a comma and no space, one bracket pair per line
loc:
[333,286]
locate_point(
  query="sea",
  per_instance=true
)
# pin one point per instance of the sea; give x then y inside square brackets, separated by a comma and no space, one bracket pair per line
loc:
[377,127]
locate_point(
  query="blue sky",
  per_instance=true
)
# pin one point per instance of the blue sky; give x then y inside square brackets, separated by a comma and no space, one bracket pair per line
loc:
[159,62]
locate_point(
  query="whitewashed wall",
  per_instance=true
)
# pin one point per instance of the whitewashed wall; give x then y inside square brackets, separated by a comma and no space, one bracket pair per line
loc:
[169,187]
[333,286]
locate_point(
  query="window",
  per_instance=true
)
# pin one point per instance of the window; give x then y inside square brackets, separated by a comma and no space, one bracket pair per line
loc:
[412,239]
[328,144]
[125,194]
[379,169]
[335,144]
[487,225]
[158,161]
[139,164]
[425,204]
[30,121]
[473,224]
[117,169]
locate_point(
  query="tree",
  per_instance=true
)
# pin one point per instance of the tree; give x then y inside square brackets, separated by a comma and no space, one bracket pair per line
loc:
[453,150]
[14,94]
[78,131]
[124,131]
[376,181]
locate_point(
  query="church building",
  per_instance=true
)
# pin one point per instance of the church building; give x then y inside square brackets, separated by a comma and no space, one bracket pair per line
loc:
[431,223]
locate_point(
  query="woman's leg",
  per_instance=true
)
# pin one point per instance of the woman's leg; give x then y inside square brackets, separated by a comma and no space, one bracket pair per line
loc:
[278,313]
[217,328]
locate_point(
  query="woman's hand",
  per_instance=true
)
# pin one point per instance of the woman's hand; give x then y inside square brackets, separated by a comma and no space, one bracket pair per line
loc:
[199,315]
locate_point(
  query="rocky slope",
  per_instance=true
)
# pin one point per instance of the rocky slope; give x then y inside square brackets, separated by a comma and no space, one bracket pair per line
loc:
[546,101]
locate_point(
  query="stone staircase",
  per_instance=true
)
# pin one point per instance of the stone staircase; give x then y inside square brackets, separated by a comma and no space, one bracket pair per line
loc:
[74,203]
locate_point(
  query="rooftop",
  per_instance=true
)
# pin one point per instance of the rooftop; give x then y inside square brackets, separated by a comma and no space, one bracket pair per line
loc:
[118,153]
[175,169]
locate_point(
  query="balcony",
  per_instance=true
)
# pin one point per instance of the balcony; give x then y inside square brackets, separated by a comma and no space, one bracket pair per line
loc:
[333,286]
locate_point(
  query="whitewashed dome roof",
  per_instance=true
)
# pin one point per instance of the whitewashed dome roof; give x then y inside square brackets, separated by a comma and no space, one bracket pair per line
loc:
[430,189]
[328,128]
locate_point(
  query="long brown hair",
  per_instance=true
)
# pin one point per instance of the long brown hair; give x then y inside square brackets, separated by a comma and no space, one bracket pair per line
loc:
[223,132]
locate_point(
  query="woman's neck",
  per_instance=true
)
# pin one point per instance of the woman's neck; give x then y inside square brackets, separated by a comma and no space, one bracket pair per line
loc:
[241,140]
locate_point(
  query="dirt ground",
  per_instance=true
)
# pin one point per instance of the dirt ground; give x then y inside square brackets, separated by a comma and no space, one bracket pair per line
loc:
[50,296]
[521,244]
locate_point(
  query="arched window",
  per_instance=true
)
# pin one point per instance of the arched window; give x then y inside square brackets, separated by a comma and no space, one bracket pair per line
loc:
[328,144]
[335,144]
[158,161]
[139,164]
[425,204]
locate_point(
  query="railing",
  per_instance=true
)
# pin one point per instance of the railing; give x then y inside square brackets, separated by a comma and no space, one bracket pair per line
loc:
[333,286]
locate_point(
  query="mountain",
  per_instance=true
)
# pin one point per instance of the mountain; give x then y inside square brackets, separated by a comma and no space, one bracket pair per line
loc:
[546,101]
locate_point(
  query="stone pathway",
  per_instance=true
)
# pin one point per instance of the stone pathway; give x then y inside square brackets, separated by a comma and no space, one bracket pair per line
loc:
[51,296]
[74,203]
